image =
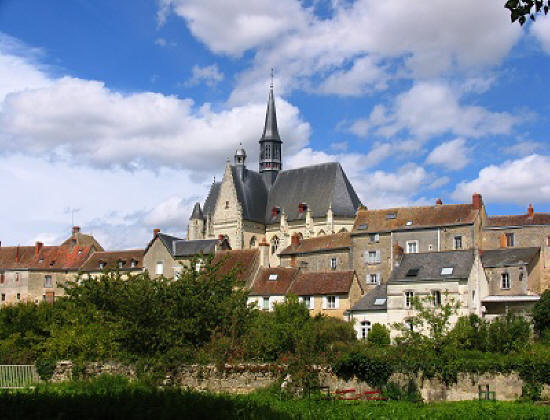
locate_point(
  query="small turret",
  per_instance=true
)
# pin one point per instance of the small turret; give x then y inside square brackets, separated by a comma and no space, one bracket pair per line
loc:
[195,229]
[240,161]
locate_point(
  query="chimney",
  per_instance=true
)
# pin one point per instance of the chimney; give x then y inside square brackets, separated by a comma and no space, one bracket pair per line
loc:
[76,229]
[37,248]
[477,201]
[438,202]
[295,240]
[530,211]
[263,246]
[156,232]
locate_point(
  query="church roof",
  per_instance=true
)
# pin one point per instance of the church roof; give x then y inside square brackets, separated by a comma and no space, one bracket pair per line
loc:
[271,132]
[251,193]
[211,199]
[318,186]
[197,212]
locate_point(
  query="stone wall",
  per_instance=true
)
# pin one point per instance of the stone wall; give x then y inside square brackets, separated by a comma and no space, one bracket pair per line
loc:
[245,378]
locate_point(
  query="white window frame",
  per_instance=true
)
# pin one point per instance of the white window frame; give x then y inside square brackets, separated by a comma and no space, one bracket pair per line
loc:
[308,300]
[331,302]
[436,298]
[374,237]
[333,263]
[198,266]
[408,298]
[159,268]
[505,281]
[46,277]
[366,326]
[265,300]
[459,237]
[510,239]
[415,242]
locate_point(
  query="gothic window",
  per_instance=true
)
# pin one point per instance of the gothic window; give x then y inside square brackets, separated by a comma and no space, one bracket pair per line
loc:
[267,151]
[274,244]
[321,233]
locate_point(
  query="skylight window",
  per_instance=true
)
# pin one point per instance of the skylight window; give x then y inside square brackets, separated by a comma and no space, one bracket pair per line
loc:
[273,277]
[409,222]
[445,271]
[413,272]
[391,216]
[379,302]
[362,227]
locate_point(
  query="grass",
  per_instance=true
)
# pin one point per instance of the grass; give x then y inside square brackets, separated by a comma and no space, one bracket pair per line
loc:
[115,398]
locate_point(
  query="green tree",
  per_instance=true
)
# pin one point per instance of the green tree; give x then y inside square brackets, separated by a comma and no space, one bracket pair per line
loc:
[521,10]
[541,314]
[379,336]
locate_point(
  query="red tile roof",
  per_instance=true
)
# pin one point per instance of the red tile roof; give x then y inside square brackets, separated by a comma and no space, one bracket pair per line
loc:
[519,220]
[424,216]
[48,258]
[112,258]
[263,286]
[322,283]
[244,261]
[320,243]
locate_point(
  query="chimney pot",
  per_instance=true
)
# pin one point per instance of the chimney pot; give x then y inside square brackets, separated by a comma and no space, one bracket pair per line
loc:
[295,240]
[76,229]
[477,201]
[530,210]
[438,202]
[156,232]
[37,248]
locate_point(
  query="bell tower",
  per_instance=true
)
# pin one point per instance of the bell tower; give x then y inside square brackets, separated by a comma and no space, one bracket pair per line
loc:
[270,143]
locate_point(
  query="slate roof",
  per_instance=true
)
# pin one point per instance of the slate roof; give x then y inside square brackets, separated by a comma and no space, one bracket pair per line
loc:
[244,261]
[312,283]
[112,258]
[508,257]
[83,240]
[262,286]
[366,303]
[429,265]
[211,199]
[319,186]
[251,193]
[184,248]
[518,220]
[48,258]
[319,243]
[197,212]
[422,216]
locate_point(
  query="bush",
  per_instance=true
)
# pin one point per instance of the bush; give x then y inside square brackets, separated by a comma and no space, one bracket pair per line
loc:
[368,368]
[379,335]
[45,368]
[541,313]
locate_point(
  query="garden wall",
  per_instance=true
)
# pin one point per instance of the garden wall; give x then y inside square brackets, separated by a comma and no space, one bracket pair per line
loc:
[244,378]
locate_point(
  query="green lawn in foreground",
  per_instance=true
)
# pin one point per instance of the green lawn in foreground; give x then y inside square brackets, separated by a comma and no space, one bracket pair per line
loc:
[115,398]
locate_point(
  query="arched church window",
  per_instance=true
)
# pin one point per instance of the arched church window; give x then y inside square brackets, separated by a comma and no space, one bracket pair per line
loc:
[343,230]
[267,151]
[274,244]
[252,242]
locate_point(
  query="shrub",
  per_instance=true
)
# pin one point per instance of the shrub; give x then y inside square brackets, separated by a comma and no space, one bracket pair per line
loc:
[369,368]
[45,368]
[379,335]
[541,313]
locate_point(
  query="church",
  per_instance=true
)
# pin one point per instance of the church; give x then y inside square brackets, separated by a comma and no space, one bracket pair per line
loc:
[248,206]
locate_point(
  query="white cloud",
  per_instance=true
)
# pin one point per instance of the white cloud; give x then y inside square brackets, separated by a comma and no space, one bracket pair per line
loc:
[433,108]
[360,127]
[452,155]
[524,148]
[210,75]
[517,181]
[540,29]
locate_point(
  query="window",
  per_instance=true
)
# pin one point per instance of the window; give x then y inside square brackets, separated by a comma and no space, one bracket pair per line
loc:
[412,272]
[159,268]
[410,324]
[198,266]
[409,223]
[509,239]
[458,242]
[373,257]
[18,296]
[331,302]
[391,216]
[372,278]
[436,298]
[505,281]
[362,227]
[446,271]
[321,233]
[120,264]
[16,276]
[3,297]
[379,301]
[409,299]
[365,329]
[273,277]
[101,265]
[252,242]
[333,263]
[41,260]
[48,281]
[227,204]
[133,264]
[308,300]
[430,247]
[374,237]
[412,247]
[548,241]
[274,244]
[265,305]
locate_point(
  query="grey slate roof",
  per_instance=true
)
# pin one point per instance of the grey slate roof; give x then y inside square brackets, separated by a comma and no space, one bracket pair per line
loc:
[251,193]
[319,186]
[366,303]
[429,265]
[508,257]
[210,202]
[183,248]
[271,132]
[197,212]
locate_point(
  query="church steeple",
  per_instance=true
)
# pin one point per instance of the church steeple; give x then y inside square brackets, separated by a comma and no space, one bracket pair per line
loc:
[270,143]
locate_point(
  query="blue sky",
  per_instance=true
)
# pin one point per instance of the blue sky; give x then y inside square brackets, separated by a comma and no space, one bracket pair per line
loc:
[120,114]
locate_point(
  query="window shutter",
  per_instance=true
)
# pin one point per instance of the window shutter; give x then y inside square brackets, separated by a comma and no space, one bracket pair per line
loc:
[503,241]
[337,302]
[378,278]
[311,302]
[324,302]
[377,255]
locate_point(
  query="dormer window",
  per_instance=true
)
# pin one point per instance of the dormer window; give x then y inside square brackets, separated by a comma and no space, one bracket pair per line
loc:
[409,223]
[275,211]
[41,260]
[391,216]
[302,207]
[362,227]
[133,264]
[120,263]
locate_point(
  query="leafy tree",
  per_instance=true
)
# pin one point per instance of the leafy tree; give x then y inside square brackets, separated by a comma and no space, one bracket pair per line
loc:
[541,314]
[469,333]
[508,333]
[521,10]
[379,335]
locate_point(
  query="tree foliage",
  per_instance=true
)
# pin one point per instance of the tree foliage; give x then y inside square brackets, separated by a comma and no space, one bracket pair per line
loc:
[541,314]
[521,10]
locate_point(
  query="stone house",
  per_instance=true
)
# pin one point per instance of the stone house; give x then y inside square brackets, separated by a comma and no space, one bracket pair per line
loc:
[165,255]
[531,229]
[39,273]
[245,263]
[321,253]
[125,262]
[439,276]
[274,203]
[512,280]
[271,286]
[377,234]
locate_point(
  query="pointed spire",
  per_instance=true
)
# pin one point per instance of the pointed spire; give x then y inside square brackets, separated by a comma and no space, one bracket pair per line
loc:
[270,128]
[197,212]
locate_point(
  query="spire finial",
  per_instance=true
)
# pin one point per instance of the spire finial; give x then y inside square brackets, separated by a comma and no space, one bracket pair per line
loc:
[271,84]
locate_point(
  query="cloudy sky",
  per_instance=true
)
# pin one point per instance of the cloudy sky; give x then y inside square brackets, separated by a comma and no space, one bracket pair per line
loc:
[118,114]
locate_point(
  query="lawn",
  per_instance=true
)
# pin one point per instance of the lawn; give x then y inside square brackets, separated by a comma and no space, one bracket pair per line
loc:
[115,398]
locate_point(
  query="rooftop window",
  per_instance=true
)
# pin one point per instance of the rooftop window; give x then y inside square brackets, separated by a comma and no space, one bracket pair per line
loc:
[391,216]
[446,271]
[273,277]
[413,272]
[362,227]
[409,222]
[380,301]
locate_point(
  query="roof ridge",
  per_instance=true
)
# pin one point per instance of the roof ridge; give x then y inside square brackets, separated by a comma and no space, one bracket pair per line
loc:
[416,207]
[312,166]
